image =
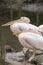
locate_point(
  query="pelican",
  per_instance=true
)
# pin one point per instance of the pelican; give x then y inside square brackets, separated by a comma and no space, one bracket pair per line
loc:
[21,20]
[31,41]
[24,27]
[17,28]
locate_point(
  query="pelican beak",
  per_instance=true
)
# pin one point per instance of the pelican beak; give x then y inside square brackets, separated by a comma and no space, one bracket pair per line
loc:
[11,22]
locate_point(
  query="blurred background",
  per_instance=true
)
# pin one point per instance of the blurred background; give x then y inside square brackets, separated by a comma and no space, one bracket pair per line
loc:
[12,10]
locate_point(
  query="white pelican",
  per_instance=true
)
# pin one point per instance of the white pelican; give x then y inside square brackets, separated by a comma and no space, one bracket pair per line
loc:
[31,40]
[23,27]
[18,28]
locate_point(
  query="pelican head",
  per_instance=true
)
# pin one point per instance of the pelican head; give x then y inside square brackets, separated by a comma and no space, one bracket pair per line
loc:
[25,19]
[22,19]
[41,28]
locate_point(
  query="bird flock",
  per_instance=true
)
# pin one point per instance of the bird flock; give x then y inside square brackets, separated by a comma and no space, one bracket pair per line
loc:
[29,35]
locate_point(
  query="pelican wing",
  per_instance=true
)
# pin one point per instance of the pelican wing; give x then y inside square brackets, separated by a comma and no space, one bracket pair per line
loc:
[36,40]
[30,40]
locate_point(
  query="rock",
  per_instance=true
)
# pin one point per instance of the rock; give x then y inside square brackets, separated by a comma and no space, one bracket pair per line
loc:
[39,58]
[14,56]
[20,56]
[21,63]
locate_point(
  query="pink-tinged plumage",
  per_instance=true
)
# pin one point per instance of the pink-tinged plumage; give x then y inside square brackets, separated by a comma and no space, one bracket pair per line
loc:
[41,29]
[24,27]
[32,39]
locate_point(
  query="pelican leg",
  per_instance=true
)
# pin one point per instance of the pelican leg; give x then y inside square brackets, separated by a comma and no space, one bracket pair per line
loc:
[25,50]
[33,56]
